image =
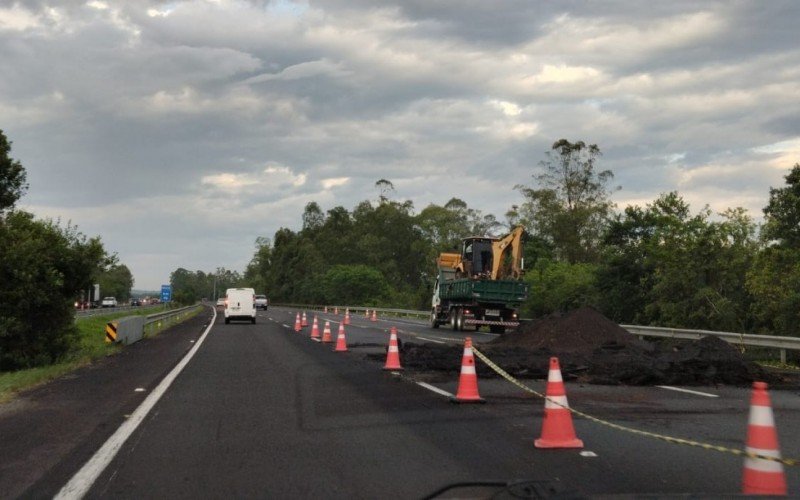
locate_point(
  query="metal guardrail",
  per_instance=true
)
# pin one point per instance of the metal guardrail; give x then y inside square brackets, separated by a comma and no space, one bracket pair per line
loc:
[771,341]
[743,339]
[162,316]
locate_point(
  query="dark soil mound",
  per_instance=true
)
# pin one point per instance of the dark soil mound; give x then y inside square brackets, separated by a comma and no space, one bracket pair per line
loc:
[580,331]
[591,348]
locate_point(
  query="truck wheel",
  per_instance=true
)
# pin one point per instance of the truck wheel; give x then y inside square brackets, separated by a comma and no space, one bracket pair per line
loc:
[460,320]
[227,321]
[454,319]
[434,321]
[497,329]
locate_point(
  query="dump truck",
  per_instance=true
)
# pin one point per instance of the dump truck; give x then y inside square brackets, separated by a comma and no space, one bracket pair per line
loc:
[482,285]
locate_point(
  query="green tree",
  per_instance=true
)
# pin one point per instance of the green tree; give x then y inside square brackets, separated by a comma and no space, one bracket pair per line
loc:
[774,280]
[42,267]
[354,285]
[560,287]
[116,281]
[570,206]
[12,176]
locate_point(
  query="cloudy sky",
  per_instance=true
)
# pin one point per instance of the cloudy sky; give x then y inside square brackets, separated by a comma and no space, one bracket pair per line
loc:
[180,131]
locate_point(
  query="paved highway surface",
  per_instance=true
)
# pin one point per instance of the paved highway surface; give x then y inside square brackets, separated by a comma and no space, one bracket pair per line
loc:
[263,411]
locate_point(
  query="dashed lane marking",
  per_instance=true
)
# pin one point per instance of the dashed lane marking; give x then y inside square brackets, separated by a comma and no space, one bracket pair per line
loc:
[698,393]
[431,340]
[435,389]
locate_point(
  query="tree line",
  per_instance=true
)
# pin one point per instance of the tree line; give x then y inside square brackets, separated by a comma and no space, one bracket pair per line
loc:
[44,267]
[660,264]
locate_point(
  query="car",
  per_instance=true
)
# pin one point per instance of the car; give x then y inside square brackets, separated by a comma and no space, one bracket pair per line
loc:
[136,302]
[221,302]
[240,303]
[109,302]
[262,302]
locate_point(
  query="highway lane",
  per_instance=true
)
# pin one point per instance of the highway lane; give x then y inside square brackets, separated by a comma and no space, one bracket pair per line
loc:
[264,411]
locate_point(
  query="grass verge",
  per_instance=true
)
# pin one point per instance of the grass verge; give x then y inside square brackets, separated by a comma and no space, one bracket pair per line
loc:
[91,345]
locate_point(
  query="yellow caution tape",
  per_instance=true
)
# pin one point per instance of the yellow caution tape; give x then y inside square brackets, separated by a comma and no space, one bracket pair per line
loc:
[786,461]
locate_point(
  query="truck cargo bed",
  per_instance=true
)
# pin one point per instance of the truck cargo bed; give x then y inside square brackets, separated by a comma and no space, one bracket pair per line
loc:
[505,291]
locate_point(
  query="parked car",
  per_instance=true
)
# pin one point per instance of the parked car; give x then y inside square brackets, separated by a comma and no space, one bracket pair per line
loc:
[262,302]
[109,302]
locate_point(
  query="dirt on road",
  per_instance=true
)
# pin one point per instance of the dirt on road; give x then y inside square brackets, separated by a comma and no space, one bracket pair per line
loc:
[593,349]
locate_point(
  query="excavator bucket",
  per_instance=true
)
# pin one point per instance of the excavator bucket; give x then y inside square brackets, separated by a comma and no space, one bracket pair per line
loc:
[448,260]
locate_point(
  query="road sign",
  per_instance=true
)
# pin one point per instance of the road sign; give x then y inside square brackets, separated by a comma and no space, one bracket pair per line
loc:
[166,293]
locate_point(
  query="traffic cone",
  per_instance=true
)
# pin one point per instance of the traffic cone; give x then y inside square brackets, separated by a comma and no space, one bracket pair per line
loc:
[315,328]
[341,342]
[336,311]
[304,322]
[557,428]
[393,353]
[347,316]
[762,477]
[326,333]
[326,310]
[297,325]
[366,313]
[468,380]
[374,316]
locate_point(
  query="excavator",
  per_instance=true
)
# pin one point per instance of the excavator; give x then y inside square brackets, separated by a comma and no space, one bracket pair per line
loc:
[482,285]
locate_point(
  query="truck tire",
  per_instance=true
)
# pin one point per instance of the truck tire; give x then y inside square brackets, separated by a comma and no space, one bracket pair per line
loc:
[497,329]
[460,320]
[434,321]
[454,318]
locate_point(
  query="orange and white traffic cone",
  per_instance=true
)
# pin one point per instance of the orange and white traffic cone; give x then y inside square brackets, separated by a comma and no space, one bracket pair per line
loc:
[336,311]
[762,476]
[393,353]
[557,428]
[325,310]
[341,342]
[347,316]
[468,380]
[297,326]
[366,313]
[315,328]
[326,333]
[374,316]
[304,321]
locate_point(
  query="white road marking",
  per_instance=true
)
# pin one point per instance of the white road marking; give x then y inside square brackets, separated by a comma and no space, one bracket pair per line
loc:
[79,485]
[435,389]
[670,388]
[588,454]
[431,340]
[315,340]
[139,389]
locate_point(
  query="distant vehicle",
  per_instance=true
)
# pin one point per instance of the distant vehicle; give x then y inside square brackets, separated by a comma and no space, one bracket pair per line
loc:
[136,302]
[84,304]
[221,302]
[262,302]
[109,302]
[240,303]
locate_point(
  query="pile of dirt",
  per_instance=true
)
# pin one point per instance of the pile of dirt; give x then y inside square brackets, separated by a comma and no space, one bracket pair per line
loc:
[593,349]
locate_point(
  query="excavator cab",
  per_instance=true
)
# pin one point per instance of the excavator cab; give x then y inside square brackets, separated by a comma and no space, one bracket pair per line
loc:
[477,257]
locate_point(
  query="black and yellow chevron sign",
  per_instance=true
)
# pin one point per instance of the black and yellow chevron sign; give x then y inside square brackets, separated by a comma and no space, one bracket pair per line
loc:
[111,331]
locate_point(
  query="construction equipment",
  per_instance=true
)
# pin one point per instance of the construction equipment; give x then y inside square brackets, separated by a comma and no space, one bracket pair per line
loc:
[482,285]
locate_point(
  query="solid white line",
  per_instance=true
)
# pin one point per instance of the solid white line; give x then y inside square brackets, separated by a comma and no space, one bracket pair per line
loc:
[668,387]
[431,340]
[80,483]
[435,389]
[315,340]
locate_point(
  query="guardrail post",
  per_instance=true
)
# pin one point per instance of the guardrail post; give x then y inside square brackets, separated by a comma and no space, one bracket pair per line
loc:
[783,356]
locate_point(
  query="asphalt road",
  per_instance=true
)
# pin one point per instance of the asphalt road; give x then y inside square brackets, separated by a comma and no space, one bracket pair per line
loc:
[263,411]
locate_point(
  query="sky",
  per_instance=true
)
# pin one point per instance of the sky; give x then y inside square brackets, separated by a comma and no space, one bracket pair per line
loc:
[181,131]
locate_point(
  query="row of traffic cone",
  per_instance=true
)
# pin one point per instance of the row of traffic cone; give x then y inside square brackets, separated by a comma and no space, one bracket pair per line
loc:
[392,353]
[760,477]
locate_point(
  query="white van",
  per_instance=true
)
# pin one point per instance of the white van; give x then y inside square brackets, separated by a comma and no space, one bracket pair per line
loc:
[240,303]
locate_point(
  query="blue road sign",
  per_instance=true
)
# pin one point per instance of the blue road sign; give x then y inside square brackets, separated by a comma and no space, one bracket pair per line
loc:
[166,293]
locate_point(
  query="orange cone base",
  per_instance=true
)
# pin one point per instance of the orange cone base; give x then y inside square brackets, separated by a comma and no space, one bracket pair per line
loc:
[392,368]
[549,443]
[462,399]
[763,483]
